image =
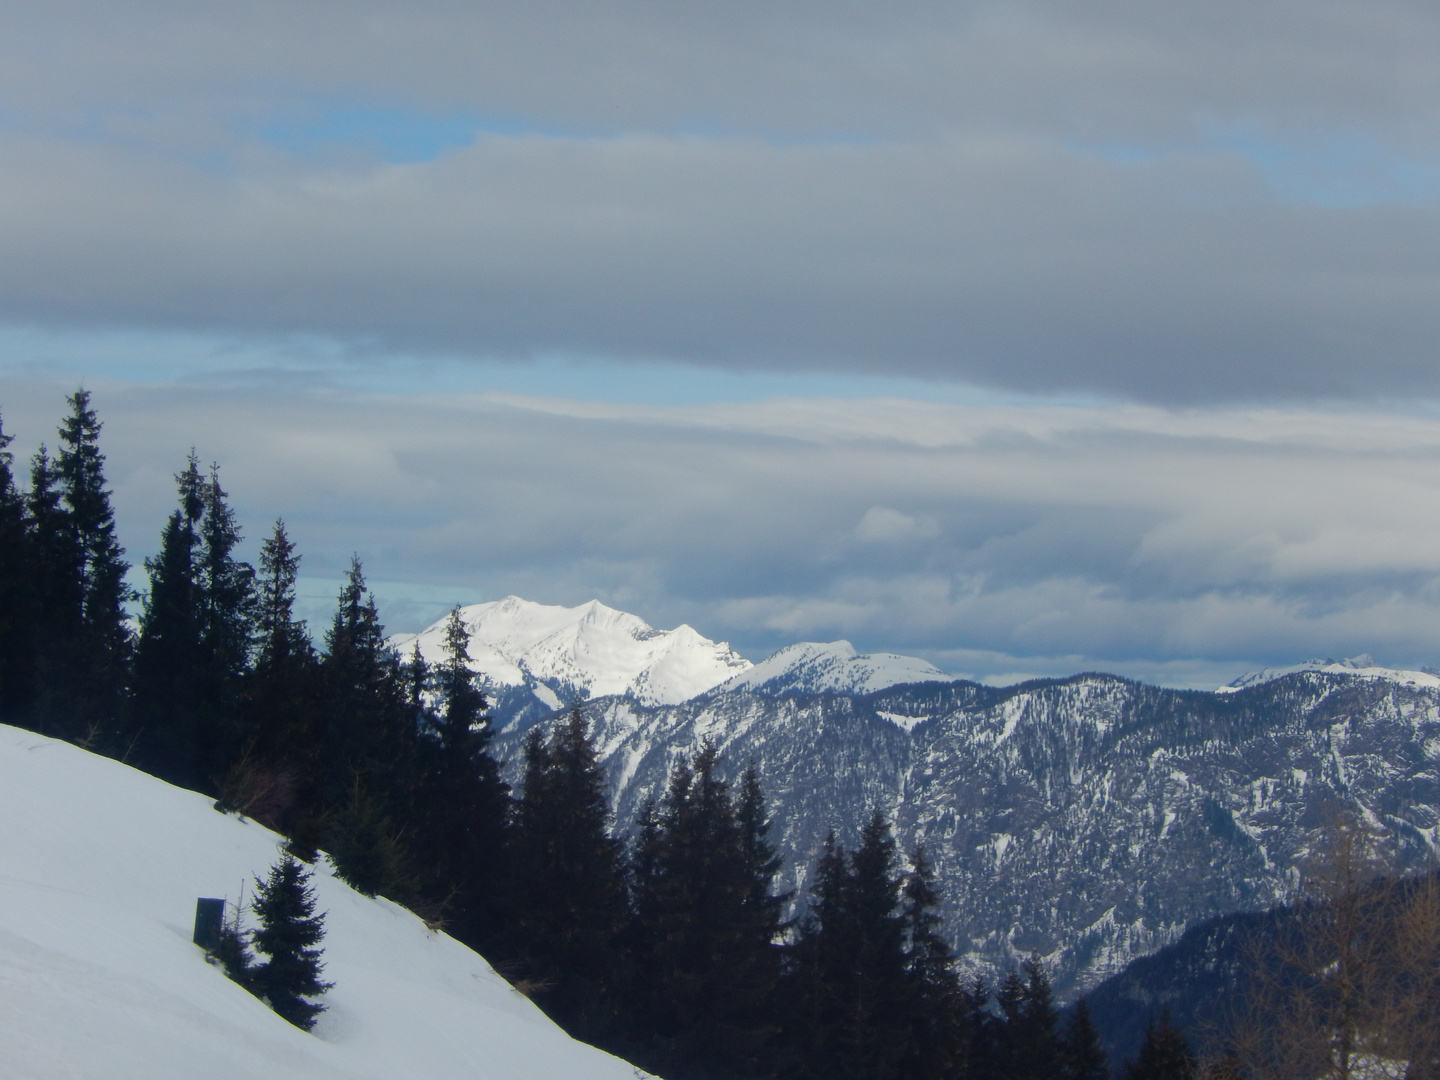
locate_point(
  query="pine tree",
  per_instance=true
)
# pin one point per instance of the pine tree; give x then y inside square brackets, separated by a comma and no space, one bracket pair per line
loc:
[702,937]
[1164,1055]
[366,738]
[852,984]
[163,728]
[463,802]
[568,889]
[938,1044]
[17,600]
[289,935]
[226,593]
[279,704]
[1034,1035]
[100,673]
[1080,1050]
[82,643]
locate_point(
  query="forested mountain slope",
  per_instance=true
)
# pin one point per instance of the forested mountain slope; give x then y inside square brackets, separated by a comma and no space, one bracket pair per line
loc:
[1088,820]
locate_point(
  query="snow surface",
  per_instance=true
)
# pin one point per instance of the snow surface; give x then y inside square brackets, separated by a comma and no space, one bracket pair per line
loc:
[590,651]
[832,667]
[1362,665]
[100,866]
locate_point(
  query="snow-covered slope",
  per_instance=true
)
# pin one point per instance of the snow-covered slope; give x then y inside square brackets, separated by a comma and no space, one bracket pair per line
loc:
[100,867]
[1363,665]
[561,654]
[834,667]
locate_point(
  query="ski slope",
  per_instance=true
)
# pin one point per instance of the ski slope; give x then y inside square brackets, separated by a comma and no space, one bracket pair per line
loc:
[100,866]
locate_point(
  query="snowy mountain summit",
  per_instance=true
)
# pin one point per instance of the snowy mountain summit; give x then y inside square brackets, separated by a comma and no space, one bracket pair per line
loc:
[831,668]
[540,656]
[1362,665]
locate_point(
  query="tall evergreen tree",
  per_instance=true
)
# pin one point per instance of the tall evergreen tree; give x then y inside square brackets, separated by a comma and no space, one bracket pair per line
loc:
[163,732]
[464,803]
[363,774]
[1080,1050]
[1164,1055]
[99,676]
[226,588]
[1035,1046]
[17,599]
[939,1046]
[82,643]
[701,934]
[280,699]
[289,935]
[852,984]
[568,890]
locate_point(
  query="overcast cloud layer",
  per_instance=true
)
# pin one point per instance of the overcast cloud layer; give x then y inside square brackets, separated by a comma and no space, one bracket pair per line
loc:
[1232,201]
[1181,547]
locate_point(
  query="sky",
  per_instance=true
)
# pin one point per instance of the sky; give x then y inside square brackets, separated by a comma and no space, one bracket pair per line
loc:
[1028,338]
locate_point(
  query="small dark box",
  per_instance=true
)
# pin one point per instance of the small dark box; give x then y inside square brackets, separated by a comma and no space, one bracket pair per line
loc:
[209,917]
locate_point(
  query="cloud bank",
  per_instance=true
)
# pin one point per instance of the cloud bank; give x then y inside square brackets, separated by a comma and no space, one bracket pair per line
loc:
[1174,205]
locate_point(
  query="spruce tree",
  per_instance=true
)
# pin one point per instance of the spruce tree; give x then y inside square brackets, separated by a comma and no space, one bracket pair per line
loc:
[1080,1050]
[852,984]
[568,890]
[363,771]
[938,1044]
[463,802]
[226,593]
[163,729]
[57,594]
[99,673]
[702,936]
[17,600]
[1034,1035]
[1164,1055]
[289,935]
[279,703]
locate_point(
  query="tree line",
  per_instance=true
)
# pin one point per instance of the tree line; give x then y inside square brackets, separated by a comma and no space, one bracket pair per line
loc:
[665,942]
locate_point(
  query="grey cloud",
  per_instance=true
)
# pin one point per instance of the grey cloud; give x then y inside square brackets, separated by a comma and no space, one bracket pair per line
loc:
[1130,539]
[993,261]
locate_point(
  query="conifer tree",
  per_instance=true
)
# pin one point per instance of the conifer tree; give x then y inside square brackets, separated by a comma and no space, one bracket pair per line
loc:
[226,593]
[1164,1055]
[99,676]
[163,734]
[853,989]
[280,703]
[17,609]
[464,804]
[569,894]
[938,1043]
[1034,1035]
[703,948]
[289,935]
[1080,1050]
[56,592]
[365,756]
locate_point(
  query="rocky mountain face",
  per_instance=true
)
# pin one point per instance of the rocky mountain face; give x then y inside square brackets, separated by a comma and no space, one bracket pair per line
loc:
[1087,820]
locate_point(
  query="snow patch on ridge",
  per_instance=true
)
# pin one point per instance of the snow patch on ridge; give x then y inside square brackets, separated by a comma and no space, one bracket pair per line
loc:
[1362,665]
[811,667]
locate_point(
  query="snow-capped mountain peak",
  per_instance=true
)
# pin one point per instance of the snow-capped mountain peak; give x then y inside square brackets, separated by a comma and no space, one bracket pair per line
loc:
[812,667]
[565,654]
[1363,665]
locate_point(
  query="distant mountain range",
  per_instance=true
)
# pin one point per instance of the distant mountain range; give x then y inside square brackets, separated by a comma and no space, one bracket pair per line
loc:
[1087,820]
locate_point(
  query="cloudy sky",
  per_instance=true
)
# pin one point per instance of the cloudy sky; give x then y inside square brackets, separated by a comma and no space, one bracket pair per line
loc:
[1025,337]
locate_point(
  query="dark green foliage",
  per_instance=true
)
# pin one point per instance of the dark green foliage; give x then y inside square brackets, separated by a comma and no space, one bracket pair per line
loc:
[939,1045]
[853,989]
[1164,1055]
[163,731]
[17,597]
[1081,1054]
[703,929]
[288,935]
[569,894]
[462,804]
[232,953]
[82,643]
[365,846]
